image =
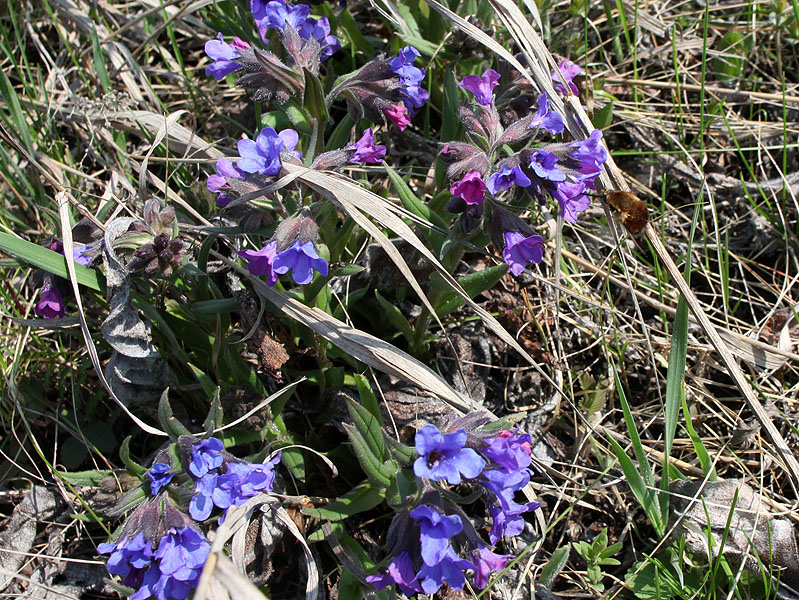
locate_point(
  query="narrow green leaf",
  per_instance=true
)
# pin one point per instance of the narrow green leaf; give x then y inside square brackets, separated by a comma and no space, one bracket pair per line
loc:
[473,284]
[168,421]
[361,498]
[603,118]
[701,452]
[402,453]
[93,477]
[50,261]
[411,202]
[346,22]
[314,98]
[367,396]
[554,566]
[370,464]
[215,417]
[635,439]
[449,118]
[131,466]
[214,307]
[638,487]
[395,317]
[370,427]
[129,501]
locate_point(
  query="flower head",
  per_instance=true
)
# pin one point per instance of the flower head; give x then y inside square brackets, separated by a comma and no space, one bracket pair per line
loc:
[365,149]
[591,155]
[160,475]
[261,262]
[206,455]
[572,199]
[545,118]
[450,569]
[505,178]
[443,456]
[545,166]
[482,86]
[470,188]
[224,56]
[510,450]
[301,259]
[568,70]
[263,155]
[410,78]
[519,250]
[398,115]
[485,562]
[51,301]
[400,573]
[436,531]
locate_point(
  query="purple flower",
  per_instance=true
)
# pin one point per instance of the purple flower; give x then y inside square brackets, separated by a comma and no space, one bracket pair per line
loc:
[470,188]
[202,503]
[572,199]
[223,55]
[51,301]
[224,169]
[130,558]
[436,531]
[485,562]
[80,254]
[591,155]
[519,250]
[263,155]
[510,450]
[450,569]
[365,149]
[545,118]
[505,178]
[443,456]
[278,15]
[206,455]
[410,79]
[398,115]
[545,165]
[182,553]
[482,86]
[262,262]
[400,573]
[569,71]
[320,31]
[301,258]
[505,511]
[160,475]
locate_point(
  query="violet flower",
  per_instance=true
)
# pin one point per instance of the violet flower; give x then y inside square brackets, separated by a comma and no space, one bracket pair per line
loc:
[519,250]
[261,262]
[505,178]
[505,511]
[398,115]
[224,56]
[545,118]
[278,14]
[320,31]
[510,450]
[400,573]
[482,86]
[436,531]
[545,166]
[410,78]
[470,188]
[572,199]
[263,155]
[51,301]
[569,71]
[206,455]
[443,456]
[301,259]
[591,155]
[365,149]
[449,569]
[160,475]
[486,562]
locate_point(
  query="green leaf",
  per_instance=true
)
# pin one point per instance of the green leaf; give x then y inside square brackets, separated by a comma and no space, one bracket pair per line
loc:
[450,121]
[214,418]
[638,487]
[361,498]
[208,385]
[402,453]
[50,261]
[214,307]
[701,452]
[346,23]
[168,421]
[372,465]
[314,98]
[411,202]
[603,118]
[395,317]
[93,477]
[367,396]
[370,427]
[554,566]
[473,284]
[131,466]
[129,501]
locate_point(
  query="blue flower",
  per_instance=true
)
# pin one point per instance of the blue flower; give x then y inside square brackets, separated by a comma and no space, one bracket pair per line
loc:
[301,258]
[278,15]
[444,456]
[206,455]
[400,573]
[545,118]
[482,86]
[80,254]
[262,262]
[510,451]
[410,79]
[450,569]
[591,155]
[263,155]
[519,250]
[505,511]
[224,56]
[545,166]
[160,475]
[569,71]
[505,178]
[436,531]
[319,30]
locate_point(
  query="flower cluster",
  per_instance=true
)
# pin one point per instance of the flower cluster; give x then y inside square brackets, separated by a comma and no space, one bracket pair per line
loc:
[435,542]
[480,176]
[281,16]
[160,552]
[221,480]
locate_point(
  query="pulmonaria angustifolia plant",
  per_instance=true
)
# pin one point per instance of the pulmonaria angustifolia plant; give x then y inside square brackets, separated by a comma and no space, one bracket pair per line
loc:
[490,187]
[431,540]
[161,548]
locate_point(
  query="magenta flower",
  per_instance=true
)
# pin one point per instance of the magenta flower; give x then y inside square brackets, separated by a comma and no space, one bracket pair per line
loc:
[261,262]
[263,155]
[365,149]
[487,561]
[482,86]
[301,259]
[519,250]
[51,302]
[470,188]
[569,71]
[398,115]
[443,456]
